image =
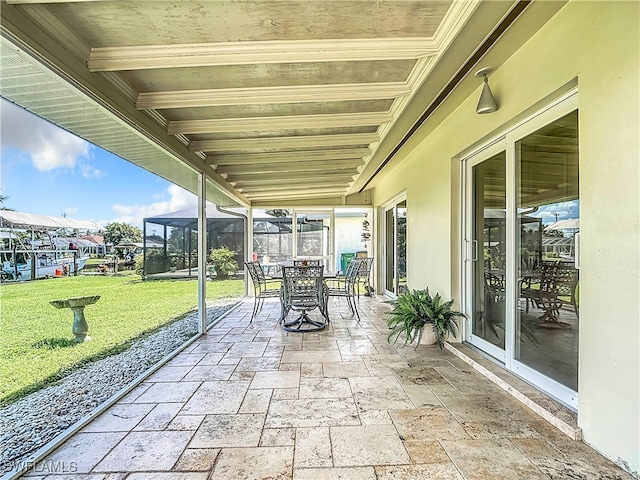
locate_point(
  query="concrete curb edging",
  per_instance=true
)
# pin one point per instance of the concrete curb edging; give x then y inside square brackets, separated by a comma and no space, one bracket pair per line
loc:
[573,432]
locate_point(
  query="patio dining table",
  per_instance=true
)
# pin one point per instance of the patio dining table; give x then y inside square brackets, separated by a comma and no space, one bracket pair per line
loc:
[304,300]
[273,270]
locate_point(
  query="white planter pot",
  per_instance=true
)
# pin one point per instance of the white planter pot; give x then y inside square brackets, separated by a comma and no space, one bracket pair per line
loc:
[428,335]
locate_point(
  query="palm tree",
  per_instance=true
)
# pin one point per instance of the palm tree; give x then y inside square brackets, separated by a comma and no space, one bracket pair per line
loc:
[4,198]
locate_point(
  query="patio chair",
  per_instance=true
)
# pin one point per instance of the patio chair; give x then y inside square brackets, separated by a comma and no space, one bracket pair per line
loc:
[364,275]
[302,290]
[262,287]
[307,263]
[345,286]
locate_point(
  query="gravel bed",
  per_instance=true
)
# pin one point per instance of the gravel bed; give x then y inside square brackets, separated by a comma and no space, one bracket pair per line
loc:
[32,421]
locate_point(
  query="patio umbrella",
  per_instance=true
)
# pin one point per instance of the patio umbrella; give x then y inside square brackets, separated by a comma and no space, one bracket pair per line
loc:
[569,223]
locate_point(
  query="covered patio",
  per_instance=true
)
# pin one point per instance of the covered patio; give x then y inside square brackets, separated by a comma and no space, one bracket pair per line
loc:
[248,400]
[379,106]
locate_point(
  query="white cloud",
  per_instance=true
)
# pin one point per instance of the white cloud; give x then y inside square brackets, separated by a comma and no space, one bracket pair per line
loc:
[89,171]
[179,199]
[48,146]
[563,211]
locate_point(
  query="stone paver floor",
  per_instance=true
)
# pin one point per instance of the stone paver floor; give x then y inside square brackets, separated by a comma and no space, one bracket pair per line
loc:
[250,401]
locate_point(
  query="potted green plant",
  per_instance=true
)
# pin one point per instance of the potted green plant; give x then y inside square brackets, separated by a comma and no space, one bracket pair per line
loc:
[417,311]
[223,262]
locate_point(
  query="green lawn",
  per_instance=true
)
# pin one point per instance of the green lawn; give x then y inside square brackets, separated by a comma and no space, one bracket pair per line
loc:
[36,340]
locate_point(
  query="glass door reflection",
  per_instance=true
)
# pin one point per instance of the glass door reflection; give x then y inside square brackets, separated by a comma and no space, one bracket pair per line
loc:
[489,250]
[389,248]
[395,248]
[401,247]
[547,254]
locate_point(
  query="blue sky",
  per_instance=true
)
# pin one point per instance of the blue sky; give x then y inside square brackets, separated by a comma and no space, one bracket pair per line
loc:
[564,211]
[49,171]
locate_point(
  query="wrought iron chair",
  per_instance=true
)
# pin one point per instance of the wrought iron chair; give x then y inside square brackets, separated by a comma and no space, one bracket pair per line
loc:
[364,275]
[303,290]
[345,286]
[263,287]
[307,263]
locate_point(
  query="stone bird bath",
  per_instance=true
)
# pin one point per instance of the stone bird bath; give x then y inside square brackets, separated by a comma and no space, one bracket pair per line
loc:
[76,304]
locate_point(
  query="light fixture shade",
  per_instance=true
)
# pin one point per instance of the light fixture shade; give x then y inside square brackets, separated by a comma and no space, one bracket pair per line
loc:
[487,103]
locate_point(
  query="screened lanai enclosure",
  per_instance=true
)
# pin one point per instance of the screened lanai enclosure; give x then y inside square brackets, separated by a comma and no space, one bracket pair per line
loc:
[171,240]
[332,236]
[171,247]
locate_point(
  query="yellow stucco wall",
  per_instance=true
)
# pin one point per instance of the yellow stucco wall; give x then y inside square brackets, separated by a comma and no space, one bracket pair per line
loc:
[596,43]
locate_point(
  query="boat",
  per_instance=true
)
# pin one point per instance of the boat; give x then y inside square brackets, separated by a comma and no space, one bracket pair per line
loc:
[40,246]
[45,267]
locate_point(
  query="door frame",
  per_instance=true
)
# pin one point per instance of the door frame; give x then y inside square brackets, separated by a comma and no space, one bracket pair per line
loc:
[389,205]
[472,251]
[507,140]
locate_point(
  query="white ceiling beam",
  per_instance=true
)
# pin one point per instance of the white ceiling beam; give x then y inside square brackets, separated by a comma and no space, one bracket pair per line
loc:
[141,57]
[230,125]
[33,2]
[273,143]
[287,182]
[354,154]
[281,169]
[340,166]
[271,95]
[293,201]
[276,178]
[298,184]
[297,192]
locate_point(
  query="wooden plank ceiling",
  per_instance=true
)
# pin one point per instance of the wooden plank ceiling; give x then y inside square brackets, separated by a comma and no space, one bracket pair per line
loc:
[284,99]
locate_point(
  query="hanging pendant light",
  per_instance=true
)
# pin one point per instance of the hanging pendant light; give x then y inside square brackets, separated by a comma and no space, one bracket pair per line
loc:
[486,104]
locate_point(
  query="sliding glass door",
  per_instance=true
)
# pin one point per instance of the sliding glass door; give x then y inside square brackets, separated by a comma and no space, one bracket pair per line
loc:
[488,240]
[547,250]
[313,236]
[395,247]
[522,250]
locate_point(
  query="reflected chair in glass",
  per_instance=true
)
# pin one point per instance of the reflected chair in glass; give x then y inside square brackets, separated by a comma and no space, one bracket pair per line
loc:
[302,290]
[494,303]
[494,309]
[557,288]
[525,284]
[263,287]
[345,286]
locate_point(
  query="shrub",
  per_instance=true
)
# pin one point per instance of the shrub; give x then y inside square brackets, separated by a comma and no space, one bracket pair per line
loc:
[139,264]
[223,262]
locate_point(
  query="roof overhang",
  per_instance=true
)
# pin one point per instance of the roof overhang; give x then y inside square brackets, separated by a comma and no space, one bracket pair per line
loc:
[303,109]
